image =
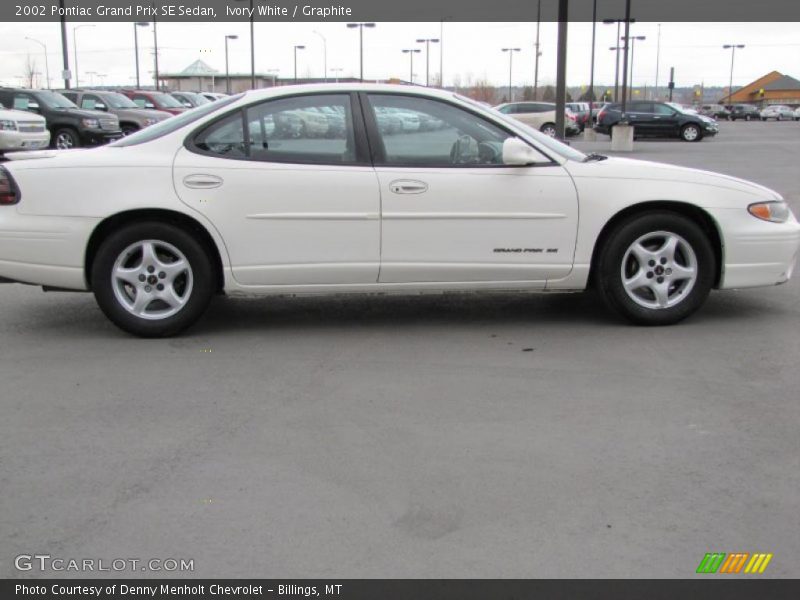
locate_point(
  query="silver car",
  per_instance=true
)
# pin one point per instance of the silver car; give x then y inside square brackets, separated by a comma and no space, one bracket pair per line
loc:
[777,112]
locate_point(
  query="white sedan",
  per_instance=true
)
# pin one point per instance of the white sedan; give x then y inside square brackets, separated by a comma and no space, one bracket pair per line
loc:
[214,201]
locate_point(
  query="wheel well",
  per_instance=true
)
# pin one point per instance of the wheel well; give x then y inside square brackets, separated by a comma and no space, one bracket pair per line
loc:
[188,224]
[696,214]
[129,123]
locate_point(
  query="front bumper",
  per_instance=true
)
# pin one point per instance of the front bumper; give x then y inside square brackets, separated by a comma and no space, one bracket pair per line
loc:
[16,140]
[756,253]
[98,137]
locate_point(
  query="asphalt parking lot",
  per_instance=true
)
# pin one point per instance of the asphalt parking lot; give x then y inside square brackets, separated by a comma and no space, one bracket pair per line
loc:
[487,436]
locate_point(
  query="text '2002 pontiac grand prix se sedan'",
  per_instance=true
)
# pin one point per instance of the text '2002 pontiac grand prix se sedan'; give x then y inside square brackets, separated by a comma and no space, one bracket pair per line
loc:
[244,196]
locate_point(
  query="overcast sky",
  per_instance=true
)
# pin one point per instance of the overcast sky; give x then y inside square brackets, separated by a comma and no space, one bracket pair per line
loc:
[470,50]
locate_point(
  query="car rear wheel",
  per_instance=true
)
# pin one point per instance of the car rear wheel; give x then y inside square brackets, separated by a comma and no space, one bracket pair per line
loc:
[656,268]
[691,133]
[152,279]
[66,139]
[548,129]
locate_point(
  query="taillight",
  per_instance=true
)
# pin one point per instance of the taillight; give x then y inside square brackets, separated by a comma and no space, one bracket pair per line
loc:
[600,115]
[9,193]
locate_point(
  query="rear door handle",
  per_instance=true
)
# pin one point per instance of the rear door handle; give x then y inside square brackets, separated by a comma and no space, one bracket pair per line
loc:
[408,186]
[202,182]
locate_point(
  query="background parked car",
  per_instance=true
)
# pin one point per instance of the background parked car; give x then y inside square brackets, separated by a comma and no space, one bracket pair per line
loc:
[657,119]
[190,99]
[716,111]
[155,101]
[778,112]
[22,131]
[797,114]
[131,117]
[748,112]
[539,115]
[69,126]
[583,115]
[213,96]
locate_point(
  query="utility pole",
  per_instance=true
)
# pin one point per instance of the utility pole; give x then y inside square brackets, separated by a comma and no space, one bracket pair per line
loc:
[591,74]
[561,67]
[658,60]
[625,56]
[324,56]
[64,50]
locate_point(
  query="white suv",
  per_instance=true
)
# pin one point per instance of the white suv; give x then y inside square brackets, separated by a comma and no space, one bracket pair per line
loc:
[22,131]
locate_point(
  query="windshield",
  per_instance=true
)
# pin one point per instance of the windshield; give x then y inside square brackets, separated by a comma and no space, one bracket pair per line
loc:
[54,100]
[552,144]
[115,100]
[173,124]
[167,101]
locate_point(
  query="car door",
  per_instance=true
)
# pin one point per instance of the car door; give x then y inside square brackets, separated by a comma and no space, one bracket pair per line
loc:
[292,208]
[640,115]
[665,120]
[452,212]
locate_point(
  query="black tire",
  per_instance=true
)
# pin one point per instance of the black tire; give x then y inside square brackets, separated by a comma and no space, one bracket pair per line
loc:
[128,129]
[747,117]
[609,267]
[66,139]
[691,133]
[549,129]
[201,272]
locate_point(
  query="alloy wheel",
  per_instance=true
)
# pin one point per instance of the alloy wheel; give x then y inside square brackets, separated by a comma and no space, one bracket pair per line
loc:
[659,270]
[64,141]
[152,279]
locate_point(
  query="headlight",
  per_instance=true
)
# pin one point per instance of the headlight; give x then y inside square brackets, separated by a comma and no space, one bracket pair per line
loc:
[90,123]
[774,212]
[8,125]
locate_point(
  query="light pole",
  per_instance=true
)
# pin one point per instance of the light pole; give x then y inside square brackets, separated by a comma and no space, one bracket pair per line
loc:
[75,51]
[632,39]
[296,48]
[155,52]
[617,49]
[427,42]
[658,62]
[324,56]
[360,27]
[733,48]
[91,75]
[46,64]
[591,73]
[252,46]
[227,72]
[136,48]
[538,52]
[337,70]
[411,52]
[510,64]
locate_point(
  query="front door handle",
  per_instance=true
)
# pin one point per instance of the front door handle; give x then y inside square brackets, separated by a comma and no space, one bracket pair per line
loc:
[202,182]
[408,186]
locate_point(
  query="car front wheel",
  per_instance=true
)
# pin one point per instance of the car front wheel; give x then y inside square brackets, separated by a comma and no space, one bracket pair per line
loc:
[152,279]
[656,268]
[691,133]
[66,139]
[549,129]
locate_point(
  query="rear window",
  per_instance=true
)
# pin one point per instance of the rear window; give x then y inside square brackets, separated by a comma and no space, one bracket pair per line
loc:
[173,124]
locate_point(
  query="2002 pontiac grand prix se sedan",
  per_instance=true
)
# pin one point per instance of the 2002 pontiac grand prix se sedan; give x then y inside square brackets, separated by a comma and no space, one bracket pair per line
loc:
[310,189]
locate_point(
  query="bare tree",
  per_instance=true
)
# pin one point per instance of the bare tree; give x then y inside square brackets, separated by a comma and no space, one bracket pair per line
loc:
[30,71]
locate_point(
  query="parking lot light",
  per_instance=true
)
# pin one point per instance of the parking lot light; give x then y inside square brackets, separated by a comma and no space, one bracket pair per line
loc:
[510,66]
[46,63]
[136,48]
[427,42]
[75,50]
[227,72]
[360,27]
[732,48]
[296,48]
[411,52]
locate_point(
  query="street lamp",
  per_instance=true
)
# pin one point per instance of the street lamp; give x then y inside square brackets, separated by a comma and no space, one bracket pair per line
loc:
[617,49]
[75,51]
[252,46]
[733,48]
[411,52]
[510,63]
[136,48]
[427,42]
[361,43]
[296,48]
[632,39]
[324,56]
[227,72]
[91,75]
[155,53]
[46,64]
[336,70]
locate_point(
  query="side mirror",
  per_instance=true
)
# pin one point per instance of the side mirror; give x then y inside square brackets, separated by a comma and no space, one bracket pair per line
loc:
[518,153]
[102,107]
[149,105]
